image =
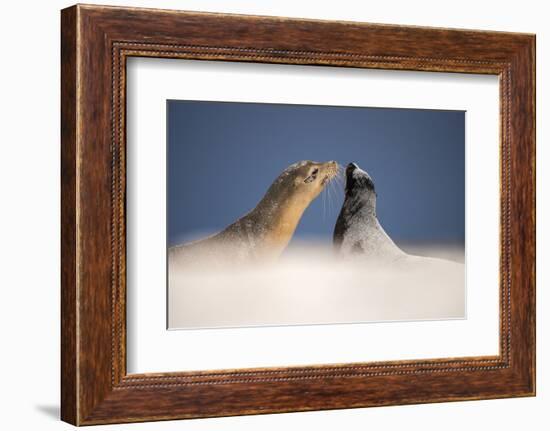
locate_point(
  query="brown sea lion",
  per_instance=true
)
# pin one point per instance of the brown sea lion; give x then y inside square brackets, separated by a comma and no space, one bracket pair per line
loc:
[265,231]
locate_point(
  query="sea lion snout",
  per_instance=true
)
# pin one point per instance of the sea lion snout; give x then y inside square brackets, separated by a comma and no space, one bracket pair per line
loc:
[332,167]
[330,170]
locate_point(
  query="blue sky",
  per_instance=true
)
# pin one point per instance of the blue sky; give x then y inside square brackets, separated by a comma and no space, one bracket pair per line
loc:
[223,156]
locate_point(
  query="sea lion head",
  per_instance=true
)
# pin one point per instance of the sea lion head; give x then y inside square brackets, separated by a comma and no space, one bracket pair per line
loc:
[360,190]
[279,212]
[306,179]
[358,182]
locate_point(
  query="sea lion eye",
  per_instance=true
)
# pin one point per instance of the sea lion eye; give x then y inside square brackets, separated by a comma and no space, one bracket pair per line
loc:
[312,176]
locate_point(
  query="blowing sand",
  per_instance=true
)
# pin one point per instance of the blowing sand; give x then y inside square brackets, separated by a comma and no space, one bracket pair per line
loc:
[309,285]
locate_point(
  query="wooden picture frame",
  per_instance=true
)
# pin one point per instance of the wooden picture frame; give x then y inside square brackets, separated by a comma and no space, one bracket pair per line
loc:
[95,43]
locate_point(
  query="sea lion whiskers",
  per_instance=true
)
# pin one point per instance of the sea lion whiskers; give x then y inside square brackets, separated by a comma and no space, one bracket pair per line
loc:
[329,197]
[340,175]
[324,205]
[332,169]
[333,192]
[328,182]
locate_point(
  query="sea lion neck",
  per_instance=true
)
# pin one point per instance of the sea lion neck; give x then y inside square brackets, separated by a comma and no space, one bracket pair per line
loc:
[362,205]
[282,202]
[279,219]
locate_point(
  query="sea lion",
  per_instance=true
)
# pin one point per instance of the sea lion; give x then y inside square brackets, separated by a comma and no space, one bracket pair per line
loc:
[358,231]
[357,228]
[265,231]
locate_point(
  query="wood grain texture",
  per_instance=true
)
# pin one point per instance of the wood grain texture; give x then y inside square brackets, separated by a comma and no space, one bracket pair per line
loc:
[69,364]
[96,41]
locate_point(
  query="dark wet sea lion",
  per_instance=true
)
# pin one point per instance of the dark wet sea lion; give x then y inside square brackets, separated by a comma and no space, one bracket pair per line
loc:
[265,231]
[358,231]
[357,228]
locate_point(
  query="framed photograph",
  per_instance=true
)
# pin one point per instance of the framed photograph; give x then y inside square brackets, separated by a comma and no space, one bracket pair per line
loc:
[265,214]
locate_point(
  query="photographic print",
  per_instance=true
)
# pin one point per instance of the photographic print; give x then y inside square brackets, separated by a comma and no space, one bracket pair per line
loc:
[283,214]
[303,209]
